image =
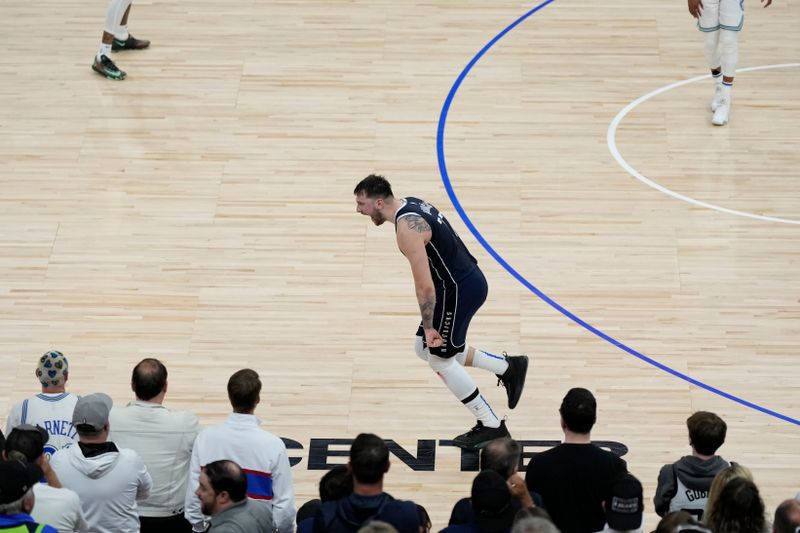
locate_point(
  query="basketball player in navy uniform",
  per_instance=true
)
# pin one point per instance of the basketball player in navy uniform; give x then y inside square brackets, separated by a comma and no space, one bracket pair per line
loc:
[450,289]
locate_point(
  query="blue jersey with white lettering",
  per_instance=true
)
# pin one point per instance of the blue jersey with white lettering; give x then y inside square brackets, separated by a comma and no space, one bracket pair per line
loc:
[448,257]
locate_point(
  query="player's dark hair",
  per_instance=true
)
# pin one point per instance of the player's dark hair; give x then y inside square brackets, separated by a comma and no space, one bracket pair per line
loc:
[374,186]
[579,410]
[501,455]
[706,432]
[227,476]
[244,386]
[369,458]
[149,378]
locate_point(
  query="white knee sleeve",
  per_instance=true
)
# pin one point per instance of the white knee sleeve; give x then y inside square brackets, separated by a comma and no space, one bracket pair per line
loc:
[454,376]
[712,51]
[440,364]
[729,50]
[420,350]
[116,9]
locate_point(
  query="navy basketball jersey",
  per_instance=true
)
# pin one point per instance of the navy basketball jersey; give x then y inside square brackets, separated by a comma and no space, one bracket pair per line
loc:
[448,257]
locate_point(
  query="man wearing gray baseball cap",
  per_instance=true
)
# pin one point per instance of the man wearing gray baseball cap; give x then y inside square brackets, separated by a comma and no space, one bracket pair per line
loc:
[109,480]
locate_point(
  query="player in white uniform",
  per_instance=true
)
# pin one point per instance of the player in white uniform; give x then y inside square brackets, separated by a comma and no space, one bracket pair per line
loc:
[721,21]
[52,408]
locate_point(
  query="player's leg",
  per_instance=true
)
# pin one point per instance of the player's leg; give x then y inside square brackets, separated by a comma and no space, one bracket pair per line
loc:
[442,360]
[708,24]
[730,56]
[731,20]
[102,61]
[713,59]
[460,383]
[509,369]
[123,40]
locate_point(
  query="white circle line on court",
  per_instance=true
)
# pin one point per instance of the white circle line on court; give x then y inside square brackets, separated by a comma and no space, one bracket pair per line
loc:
[612,147]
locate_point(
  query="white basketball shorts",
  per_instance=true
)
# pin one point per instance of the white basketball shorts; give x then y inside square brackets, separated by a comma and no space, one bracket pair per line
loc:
[721,14]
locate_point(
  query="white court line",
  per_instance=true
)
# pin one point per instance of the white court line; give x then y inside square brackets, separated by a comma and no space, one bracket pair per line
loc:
[612,147]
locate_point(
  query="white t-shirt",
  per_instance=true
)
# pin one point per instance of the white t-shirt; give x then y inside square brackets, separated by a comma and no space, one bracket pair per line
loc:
[60,508]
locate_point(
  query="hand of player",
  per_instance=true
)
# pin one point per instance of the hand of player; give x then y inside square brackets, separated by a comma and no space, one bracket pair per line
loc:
[696,7]
[766,3]
[433,339]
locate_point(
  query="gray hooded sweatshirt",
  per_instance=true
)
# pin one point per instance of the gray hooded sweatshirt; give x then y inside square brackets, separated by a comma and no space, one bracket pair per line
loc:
[684,485]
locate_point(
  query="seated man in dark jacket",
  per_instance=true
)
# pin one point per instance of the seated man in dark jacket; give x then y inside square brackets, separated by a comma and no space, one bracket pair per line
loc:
[369,461]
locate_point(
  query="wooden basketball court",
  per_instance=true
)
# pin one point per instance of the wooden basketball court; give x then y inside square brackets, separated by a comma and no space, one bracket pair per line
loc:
[201,212]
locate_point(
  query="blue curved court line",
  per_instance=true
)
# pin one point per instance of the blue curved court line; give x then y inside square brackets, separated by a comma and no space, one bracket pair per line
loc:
[497,257]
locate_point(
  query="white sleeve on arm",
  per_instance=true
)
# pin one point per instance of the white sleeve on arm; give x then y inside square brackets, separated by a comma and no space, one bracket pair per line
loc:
[145,481]
[14,418]
[191,506]
[80,520]
[283,507]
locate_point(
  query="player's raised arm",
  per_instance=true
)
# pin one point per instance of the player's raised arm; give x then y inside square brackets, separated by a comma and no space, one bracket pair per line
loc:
[412,235]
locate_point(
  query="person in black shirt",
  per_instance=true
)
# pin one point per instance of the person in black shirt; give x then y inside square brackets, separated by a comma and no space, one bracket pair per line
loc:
[574,479]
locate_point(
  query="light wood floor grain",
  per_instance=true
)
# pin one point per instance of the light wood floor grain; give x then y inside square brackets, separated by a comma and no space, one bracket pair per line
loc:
[201,212]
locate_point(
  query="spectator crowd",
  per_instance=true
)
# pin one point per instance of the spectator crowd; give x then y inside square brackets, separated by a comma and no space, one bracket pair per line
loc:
[81,464]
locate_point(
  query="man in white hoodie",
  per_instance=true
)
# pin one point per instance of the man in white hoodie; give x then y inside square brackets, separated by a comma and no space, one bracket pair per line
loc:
[108,480]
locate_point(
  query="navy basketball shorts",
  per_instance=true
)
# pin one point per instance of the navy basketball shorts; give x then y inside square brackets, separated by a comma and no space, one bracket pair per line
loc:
[456,304]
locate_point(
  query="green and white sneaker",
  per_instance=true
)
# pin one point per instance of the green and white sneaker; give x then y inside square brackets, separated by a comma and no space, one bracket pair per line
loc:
[105,67]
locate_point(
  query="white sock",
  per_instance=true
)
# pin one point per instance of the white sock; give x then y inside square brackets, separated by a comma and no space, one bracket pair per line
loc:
[121,32]
[483,411]
[105,50]
[463,387]
[716,78]
[496,364]
[726,90]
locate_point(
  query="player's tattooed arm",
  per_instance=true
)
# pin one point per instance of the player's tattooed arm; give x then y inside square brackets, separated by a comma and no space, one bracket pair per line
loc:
[417,223]
[426,308]
[411,238]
